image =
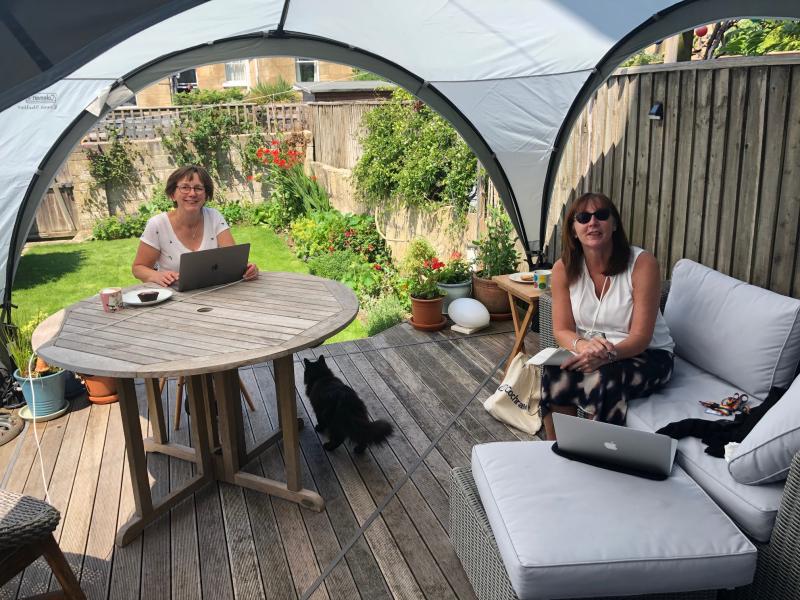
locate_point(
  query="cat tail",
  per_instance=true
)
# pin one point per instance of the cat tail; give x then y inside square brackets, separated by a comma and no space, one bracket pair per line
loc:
[375,432]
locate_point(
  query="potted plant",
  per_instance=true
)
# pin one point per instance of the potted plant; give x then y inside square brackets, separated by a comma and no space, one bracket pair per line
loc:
[455,280]
[497,255]
[42,385]
[426,299]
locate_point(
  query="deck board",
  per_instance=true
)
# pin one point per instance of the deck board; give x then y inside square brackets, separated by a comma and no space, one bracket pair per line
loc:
[227,542]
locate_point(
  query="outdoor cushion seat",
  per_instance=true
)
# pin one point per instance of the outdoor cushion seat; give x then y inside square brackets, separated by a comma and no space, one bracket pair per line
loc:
[565,529]
[753,507]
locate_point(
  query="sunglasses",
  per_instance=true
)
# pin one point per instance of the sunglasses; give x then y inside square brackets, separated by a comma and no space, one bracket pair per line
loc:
[584,217]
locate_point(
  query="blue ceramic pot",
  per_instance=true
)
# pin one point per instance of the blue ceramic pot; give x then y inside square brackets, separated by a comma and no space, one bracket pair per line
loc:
[44,395]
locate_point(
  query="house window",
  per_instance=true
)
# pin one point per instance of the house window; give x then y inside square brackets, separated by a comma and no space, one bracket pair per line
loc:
[236,74]
[307,69]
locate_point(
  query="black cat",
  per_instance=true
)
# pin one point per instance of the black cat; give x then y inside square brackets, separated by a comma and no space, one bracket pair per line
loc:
[339,410]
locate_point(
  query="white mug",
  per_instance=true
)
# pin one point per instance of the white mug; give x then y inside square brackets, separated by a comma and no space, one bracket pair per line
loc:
[541,278]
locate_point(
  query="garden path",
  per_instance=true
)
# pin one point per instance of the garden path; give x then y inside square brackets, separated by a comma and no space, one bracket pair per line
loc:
[228,542]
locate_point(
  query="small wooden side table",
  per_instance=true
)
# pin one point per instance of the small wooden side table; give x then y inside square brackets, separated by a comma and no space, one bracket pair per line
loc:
[528,293]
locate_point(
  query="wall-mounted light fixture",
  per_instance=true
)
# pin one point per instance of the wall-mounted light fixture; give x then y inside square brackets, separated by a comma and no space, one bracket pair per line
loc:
[656,112]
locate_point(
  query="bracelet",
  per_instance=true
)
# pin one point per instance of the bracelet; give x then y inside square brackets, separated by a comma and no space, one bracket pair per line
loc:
[575,343]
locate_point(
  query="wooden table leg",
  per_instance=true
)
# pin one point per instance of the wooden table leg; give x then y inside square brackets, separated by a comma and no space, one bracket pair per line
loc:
[520,328]
[156,410]
[232,440]
[287,411]
[145,511]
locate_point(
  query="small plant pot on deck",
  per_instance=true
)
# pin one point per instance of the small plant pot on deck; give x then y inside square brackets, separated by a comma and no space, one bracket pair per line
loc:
[44,394]
[100,389]
[488,293]
[426,315]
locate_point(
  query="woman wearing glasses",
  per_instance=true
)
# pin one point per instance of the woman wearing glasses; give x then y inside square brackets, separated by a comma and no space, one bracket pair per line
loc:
[606,311]
[189,227]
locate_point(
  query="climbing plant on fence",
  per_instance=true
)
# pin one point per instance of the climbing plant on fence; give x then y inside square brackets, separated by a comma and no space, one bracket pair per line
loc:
[412,154]
[203,136]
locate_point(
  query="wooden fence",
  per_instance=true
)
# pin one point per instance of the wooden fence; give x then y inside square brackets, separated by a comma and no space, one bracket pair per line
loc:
[717,180]
[336,130]
[145,123]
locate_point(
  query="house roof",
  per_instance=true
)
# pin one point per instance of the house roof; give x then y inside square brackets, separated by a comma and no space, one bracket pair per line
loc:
[317,87]
[510,75]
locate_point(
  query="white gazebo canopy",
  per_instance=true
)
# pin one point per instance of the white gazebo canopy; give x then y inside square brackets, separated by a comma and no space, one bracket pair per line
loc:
[510,75]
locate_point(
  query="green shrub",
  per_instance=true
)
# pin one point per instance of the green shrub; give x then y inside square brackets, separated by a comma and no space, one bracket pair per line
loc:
[385,312]
[199,97]
[316,232]
[279,90]
[351,269]
[412,154]
[643,58]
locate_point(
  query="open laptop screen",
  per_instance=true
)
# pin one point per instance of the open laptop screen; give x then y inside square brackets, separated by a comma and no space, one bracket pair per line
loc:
[614,447]
[216,266]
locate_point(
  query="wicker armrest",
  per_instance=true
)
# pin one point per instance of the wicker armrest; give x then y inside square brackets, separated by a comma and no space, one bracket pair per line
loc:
[546,338]
[24,520]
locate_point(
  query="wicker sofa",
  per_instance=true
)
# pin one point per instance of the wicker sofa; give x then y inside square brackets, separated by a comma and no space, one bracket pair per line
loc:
[774,533]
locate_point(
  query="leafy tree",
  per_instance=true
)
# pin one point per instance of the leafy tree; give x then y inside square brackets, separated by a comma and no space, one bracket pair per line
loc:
[755,37]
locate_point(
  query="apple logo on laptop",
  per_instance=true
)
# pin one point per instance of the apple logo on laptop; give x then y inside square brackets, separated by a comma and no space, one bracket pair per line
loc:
[610,445]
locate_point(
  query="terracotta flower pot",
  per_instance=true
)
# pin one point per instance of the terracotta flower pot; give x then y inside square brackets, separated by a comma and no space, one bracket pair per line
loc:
[426,315]
[101,390]
[492,297]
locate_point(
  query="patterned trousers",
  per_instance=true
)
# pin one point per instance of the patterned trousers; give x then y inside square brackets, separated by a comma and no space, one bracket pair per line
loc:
[605,393]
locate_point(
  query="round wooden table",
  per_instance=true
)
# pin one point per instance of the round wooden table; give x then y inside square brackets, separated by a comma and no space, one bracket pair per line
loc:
[204,335]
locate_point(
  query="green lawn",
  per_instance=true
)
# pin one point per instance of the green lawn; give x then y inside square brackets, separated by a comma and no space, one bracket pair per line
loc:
[52,276]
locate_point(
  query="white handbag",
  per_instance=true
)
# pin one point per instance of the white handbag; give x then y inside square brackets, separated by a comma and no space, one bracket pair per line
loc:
[516,401]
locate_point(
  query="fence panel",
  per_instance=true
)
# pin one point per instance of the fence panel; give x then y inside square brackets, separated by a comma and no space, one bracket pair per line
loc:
[138,123]
[336,128]
[716,180]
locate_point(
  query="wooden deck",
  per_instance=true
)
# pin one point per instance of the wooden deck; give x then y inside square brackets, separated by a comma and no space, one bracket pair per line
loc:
[227,542]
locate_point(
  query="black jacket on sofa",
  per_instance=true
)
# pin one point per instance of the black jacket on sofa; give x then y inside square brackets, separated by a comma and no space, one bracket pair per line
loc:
[715,434]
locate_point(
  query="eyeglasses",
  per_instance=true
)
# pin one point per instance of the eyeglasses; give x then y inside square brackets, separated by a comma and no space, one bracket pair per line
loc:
[185,189]
[584,217]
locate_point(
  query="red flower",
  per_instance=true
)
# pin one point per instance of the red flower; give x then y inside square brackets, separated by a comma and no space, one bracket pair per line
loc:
[249,178]
[348,233]
[275,152]
[275,142]
[455,256]
[377,267]
[260,152]
[330,248]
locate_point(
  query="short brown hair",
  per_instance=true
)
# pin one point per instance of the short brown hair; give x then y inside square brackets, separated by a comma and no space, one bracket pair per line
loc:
[571,248]
[186,172]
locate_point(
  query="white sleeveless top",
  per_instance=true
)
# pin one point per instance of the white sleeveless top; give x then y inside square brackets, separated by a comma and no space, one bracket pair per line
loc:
[159,234]
[616,309]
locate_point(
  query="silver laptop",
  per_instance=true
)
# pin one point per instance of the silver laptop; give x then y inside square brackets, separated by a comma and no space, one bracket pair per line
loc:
[216,266]
[614,447]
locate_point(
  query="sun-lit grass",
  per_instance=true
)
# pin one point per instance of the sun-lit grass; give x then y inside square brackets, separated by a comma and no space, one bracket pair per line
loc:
[52,276]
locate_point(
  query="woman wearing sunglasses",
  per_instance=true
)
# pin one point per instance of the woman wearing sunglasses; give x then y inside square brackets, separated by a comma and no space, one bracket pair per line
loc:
[606,311]
[189,227]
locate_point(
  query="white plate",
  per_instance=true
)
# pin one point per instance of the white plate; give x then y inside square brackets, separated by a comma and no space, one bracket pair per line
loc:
[518,277]
[131,299]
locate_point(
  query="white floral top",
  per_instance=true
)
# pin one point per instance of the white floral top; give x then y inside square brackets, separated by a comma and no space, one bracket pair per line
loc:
[159,234]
